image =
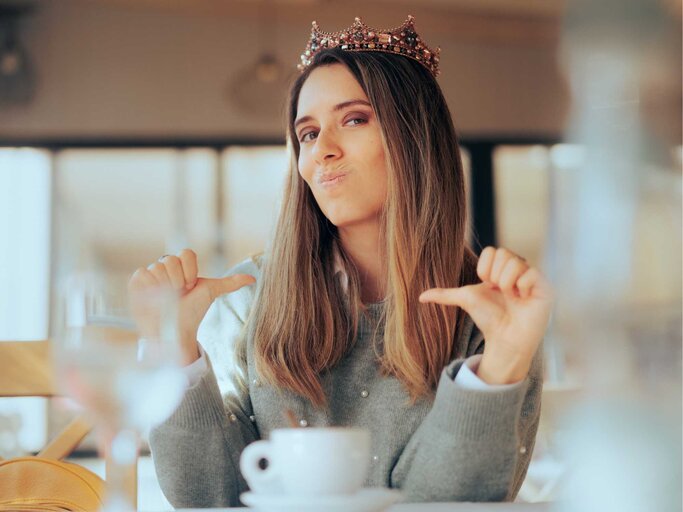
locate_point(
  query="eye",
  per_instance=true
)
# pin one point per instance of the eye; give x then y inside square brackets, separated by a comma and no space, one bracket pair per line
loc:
[355,121]
[304,136]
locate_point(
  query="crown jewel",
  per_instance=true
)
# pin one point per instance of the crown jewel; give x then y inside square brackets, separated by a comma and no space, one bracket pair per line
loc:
[401,40]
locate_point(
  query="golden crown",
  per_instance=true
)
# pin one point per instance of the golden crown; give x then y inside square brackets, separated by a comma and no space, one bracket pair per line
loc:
[359,37]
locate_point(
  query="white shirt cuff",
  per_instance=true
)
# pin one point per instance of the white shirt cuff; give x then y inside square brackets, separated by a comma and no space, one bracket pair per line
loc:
[468,379]
[196,370]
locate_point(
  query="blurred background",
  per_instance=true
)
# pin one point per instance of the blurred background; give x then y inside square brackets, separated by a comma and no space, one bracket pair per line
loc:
[135,128]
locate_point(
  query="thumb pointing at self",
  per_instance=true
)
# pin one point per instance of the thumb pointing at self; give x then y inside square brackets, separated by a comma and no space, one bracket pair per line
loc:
[481,301]
[467,297]
[221,286]
[195,303]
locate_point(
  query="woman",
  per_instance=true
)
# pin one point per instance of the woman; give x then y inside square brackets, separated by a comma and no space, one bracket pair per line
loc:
[369,309]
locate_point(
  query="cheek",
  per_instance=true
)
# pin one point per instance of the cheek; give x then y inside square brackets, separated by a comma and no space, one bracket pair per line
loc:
[305,169]
[380,189]
[381,175]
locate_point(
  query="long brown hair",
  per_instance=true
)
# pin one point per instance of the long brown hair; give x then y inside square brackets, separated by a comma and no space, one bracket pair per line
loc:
[304,320]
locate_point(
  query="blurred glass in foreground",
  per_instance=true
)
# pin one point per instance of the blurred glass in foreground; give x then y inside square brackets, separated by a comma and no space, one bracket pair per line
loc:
[618,279]
[116,352]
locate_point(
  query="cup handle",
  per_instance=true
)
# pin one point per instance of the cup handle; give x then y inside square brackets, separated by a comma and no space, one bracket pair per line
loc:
[259,480]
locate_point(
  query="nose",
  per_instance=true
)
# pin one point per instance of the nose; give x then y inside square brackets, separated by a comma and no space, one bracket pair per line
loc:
[326,147]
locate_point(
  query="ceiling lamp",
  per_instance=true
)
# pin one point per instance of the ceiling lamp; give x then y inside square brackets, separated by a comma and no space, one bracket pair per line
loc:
[260,87]
[17,77]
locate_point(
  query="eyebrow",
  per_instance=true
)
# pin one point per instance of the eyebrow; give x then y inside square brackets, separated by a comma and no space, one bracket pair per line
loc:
[336,108]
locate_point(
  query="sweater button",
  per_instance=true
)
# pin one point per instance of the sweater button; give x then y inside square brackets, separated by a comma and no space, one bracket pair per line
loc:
[233,418]
[522,450]
[252,418]
[364,393]
[375,458]
[303,423]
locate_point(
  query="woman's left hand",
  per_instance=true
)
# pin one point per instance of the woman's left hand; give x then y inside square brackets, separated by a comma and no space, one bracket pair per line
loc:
[511,307]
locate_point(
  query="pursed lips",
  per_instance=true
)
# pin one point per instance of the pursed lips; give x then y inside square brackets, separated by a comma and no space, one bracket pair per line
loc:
[331,178]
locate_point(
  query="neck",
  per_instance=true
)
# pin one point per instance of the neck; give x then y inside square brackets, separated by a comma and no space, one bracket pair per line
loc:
[362,245]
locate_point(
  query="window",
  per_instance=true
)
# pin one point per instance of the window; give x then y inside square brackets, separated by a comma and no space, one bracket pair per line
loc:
[24,282]
[25,234]
[115,210]
[252,185]
[521,183]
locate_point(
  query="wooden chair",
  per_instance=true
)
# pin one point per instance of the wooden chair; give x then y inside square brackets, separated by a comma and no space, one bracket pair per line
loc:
[25,371]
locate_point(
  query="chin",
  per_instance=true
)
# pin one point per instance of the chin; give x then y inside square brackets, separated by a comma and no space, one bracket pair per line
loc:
[338,221]
[344,215]
[347,221]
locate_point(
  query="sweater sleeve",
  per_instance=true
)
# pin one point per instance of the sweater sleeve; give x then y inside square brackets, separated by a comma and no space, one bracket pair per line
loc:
[196,451]
[473,445]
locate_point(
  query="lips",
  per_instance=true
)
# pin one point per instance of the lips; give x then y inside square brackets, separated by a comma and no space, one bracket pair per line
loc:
[332,178]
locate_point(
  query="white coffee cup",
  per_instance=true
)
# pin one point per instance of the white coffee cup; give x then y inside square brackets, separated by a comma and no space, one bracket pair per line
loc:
[308,461]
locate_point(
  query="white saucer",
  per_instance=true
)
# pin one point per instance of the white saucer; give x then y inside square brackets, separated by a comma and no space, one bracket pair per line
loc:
[374,499]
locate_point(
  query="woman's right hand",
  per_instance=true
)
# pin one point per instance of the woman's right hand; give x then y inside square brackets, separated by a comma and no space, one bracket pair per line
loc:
[196,293]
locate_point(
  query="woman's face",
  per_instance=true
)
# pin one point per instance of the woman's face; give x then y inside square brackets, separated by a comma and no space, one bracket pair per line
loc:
[341,155]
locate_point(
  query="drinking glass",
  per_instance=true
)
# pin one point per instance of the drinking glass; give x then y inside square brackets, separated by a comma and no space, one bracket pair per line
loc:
[116,352]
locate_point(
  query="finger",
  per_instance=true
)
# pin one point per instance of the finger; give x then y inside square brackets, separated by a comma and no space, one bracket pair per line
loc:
[531,281]
[141,278]
[175,271]
[461,296]
[500,259]
[525,283]
[485,263]
[478,300]
[218,287]
[158,270]
[512,271]
[188,260]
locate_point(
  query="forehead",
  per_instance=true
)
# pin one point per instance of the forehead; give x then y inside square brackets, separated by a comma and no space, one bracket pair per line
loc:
[327,86]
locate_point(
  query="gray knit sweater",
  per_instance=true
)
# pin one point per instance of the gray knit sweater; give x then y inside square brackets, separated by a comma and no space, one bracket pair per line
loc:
[458,445]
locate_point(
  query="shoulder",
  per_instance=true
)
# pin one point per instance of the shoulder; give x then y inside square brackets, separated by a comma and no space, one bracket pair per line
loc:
[239,302]
[229,312]
[252,265]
